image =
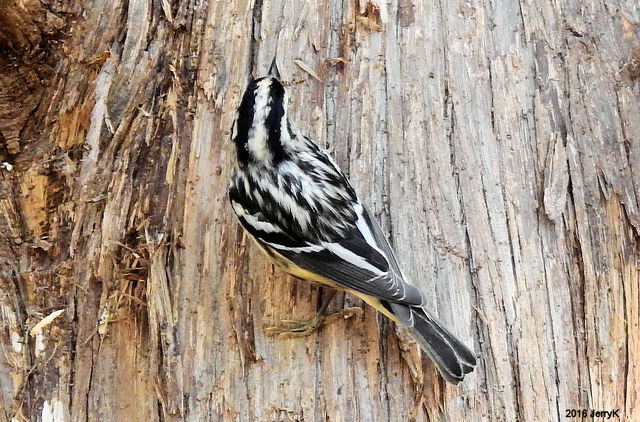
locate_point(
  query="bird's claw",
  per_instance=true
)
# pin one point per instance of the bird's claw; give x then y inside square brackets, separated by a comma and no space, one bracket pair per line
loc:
[302,328]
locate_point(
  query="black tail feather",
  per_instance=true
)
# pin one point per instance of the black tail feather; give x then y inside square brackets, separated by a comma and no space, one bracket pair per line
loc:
[453,358]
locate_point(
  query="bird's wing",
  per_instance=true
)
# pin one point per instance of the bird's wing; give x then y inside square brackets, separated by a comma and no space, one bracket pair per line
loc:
[361,260]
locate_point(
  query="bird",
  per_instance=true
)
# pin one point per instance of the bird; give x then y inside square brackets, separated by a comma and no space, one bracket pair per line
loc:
[291,197]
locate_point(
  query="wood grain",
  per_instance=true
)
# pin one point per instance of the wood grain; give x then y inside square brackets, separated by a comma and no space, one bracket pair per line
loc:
[496,142]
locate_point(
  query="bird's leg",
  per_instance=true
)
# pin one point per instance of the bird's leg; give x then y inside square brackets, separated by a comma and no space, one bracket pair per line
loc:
[291,328]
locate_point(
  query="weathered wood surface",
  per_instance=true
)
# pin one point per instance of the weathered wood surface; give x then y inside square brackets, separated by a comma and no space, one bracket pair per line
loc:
[498,143]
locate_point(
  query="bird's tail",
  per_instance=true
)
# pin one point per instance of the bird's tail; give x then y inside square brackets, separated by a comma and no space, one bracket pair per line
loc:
[453,358]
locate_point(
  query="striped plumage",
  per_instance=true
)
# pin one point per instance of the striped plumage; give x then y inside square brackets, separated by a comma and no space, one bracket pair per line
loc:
[292,198]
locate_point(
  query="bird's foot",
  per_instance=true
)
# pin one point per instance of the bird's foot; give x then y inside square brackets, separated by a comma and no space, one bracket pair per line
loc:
[301,328]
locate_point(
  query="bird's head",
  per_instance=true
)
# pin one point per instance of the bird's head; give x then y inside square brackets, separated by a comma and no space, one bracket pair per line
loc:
[260,131]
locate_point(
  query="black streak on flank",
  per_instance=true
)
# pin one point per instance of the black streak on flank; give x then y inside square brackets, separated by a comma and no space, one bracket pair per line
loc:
[274,121]
[277,238]
[245,121]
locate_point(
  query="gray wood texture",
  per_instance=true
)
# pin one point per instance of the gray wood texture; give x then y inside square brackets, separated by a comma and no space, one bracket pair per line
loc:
[497,142]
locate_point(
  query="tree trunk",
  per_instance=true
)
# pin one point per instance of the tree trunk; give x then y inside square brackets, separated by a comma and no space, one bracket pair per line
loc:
[498,143]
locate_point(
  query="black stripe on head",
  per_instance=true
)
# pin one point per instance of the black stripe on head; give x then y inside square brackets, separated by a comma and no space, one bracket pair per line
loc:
[245,121]
[274,121]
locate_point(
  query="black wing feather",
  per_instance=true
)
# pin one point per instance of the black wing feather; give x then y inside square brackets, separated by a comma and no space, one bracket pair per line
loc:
[381,280]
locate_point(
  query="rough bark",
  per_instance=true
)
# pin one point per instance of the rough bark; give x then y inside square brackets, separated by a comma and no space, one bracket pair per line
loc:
[498,143]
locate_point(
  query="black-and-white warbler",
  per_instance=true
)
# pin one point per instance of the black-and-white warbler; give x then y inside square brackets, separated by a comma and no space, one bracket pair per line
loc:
[292,198]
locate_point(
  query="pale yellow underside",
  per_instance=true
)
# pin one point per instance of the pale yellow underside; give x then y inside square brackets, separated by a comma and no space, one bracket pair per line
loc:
[293,269]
